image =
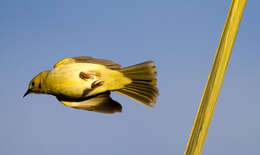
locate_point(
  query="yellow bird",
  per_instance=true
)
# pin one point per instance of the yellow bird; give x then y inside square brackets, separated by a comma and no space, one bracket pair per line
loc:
[85,83]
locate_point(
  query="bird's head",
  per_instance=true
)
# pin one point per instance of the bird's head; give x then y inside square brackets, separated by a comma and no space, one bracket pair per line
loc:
[36,84]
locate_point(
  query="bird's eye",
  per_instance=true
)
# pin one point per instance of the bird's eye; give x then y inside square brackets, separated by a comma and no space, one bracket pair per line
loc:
[33,84]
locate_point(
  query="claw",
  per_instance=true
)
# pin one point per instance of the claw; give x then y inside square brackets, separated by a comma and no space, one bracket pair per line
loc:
[96,84]
[84,76]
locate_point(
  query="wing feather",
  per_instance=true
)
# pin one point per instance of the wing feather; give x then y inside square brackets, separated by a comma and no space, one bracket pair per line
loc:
[101,103]
[87,59]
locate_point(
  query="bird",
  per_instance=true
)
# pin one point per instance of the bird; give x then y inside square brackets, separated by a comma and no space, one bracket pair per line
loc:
[86,83]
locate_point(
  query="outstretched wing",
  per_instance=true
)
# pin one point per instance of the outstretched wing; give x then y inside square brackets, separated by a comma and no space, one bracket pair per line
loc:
[86,59]
[101,103]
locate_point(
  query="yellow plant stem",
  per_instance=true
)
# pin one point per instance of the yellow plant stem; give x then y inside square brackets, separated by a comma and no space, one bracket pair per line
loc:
[215,79]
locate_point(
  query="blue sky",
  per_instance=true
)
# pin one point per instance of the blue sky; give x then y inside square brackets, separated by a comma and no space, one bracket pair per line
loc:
[180,36]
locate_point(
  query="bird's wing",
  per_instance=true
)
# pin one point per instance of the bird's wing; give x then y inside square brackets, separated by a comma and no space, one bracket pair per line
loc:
[86,59]
[102,103]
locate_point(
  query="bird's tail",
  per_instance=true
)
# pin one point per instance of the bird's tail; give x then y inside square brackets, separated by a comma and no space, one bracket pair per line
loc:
[143,86]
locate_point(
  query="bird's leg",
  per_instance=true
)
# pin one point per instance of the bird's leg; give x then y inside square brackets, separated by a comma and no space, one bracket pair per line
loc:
[85,76]
[90,75]
[96,84]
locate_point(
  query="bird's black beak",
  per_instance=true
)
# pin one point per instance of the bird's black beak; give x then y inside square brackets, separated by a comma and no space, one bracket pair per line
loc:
[27,92]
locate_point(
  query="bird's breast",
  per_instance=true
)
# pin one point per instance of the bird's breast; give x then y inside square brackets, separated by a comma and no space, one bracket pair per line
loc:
[65,80]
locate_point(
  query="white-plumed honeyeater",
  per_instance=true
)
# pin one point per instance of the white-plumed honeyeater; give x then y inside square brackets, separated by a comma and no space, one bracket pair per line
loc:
[85,83]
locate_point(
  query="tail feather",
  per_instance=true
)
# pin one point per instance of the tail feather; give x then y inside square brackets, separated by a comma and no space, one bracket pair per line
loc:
[143,86]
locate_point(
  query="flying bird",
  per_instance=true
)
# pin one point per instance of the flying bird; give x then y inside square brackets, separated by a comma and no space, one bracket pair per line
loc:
[86,83]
